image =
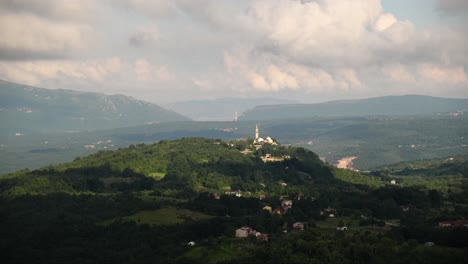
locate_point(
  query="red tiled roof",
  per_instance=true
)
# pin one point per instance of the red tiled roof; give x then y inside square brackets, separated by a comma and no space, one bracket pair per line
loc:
[455,223]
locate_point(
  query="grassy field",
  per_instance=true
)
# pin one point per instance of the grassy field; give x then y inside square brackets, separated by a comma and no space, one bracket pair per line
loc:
[164,216]
[157,175]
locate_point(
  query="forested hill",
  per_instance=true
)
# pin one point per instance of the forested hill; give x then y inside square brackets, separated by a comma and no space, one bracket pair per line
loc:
[387,105]
[179,168]
[184,201]
[26,108]
[457,165]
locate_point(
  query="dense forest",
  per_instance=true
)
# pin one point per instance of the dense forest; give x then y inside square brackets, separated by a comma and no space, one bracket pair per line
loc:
[182,201]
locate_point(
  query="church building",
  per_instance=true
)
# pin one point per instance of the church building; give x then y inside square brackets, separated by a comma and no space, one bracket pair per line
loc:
[260,141]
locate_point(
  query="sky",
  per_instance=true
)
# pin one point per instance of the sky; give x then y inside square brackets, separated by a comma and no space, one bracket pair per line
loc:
[308,50]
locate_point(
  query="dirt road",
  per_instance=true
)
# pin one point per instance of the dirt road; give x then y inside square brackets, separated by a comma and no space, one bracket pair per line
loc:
[346,163]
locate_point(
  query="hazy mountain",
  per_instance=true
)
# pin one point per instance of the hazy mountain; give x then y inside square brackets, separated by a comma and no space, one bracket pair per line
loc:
[25,108]
[222,109]
[387,105]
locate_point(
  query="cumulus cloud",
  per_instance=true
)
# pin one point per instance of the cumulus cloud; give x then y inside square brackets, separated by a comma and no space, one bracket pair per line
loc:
[78,10]
[145,71]
[444,75]
[307,48]
[345,47]
[34,73]
[93,75]
[29,37]
[44,29]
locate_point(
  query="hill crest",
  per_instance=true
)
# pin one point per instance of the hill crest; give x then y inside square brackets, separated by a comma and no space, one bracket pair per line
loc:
[386,105]
[28,108]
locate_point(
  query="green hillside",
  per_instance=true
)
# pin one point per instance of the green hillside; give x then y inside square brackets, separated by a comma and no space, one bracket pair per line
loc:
[24,109]
[186,164]
[387,105]
[145,203]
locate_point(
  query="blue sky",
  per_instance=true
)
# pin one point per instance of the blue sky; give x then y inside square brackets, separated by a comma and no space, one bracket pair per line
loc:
[421,12]
[165,51]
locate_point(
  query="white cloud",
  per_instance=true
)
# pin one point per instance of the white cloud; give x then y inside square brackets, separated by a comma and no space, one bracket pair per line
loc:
[145,71]
[345,47]
[25,36]
[74,10]
[311,49]
[443,75]
[384,22]
[34,73]
[94,75]
[398,73]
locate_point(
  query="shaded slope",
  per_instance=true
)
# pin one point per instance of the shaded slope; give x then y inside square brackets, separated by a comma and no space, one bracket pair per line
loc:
[387,105]
[26,108]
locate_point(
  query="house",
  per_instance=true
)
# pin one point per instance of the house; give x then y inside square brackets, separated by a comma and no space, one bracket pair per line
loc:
[244,231]
[191,243]
[263,237]
[262,196]
[283,184]
[393,182]
[298,226]
[277,211]
[286,204]
[268,156]
[456,223]
[267,208]
[331,215]
[216,196]
[344,228]
[237,193]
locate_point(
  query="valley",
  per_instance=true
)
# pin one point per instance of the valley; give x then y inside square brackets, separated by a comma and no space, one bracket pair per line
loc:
[375,141]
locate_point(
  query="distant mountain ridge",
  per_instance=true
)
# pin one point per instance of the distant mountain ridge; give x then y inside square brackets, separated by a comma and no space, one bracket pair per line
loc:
[386,105]
[27,108]
[221,109]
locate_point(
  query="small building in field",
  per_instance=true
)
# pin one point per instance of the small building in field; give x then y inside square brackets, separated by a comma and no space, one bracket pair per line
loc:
[237,193]
[298,226]
[263,237]
[455,223]
[244,231]
[267,208]
[286,204]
